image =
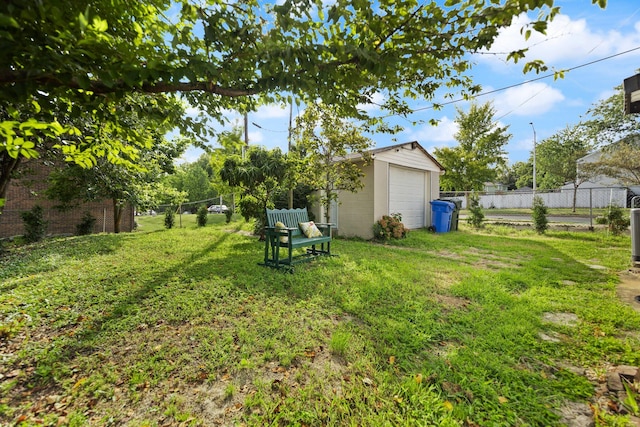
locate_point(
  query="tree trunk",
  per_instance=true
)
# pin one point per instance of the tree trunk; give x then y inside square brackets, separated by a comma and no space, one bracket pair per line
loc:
[8,165]
[117,215]
[575,196]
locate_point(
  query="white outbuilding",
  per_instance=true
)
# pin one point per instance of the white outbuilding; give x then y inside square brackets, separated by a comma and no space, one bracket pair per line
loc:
[402,179]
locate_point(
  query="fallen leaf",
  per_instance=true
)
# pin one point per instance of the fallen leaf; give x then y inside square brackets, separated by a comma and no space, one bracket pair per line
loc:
[418,379]
[502,399]
[367,381]
[397,399]
[79,383]
[448,405]
[13,373]
[392,360]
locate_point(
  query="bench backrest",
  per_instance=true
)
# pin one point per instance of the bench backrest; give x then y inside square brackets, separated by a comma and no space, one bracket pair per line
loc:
[289,217]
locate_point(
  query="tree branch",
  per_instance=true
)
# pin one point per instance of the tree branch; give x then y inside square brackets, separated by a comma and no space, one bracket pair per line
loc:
[10,77]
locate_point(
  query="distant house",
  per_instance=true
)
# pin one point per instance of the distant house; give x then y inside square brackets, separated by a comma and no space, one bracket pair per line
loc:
[599,181]
[495,187]
[402,179]
[27,190]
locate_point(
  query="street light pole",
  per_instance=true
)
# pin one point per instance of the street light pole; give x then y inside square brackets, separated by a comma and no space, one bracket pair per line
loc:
[534,157]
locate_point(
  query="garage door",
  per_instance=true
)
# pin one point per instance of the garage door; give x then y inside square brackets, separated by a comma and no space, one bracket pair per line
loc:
[406,195]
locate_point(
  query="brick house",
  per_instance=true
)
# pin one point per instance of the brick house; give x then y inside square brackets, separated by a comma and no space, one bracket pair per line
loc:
[27,190]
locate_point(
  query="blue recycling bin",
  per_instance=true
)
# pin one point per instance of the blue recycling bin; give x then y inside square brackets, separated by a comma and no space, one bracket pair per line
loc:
[441,212]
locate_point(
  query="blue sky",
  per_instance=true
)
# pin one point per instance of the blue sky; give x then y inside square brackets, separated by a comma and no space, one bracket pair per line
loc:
[581,34]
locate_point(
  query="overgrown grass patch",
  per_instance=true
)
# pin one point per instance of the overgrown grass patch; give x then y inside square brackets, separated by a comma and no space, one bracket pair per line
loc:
[184,326]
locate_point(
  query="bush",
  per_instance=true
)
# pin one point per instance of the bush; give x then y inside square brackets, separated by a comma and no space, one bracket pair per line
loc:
[86,224]
[35,226]
[203,215]
[169,218]
[390,227]
[618,222]
[475,210]
[540,221]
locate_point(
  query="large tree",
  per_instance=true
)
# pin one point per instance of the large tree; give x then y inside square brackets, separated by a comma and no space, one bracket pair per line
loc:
[192,179]
[618,136]
[557,157]
[480,151]
[620,161]
[606,122]
[231,55]
[325,142]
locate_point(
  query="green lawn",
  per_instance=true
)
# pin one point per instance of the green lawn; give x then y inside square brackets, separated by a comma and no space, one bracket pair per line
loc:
[183,327]
[581,212]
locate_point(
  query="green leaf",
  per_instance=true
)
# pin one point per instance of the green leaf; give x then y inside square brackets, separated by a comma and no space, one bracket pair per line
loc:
[8,21]
[82,20]
[100,24]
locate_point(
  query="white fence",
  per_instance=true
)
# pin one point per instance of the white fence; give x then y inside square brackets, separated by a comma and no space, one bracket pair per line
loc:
[585,198]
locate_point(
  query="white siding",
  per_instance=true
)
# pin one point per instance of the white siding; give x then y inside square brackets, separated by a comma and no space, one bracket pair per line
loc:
[355,211]
[408,157]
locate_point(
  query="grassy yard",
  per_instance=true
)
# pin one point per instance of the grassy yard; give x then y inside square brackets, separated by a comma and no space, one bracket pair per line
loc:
[183,327]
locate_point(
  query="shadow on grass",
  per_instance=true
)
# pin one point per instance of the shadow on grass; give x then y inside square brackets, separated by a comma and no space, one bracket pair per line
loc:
[390,295]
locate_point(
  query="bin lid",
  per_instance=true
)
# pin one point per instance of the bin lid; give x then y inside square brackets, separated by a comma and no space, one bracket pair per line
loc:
[443,203]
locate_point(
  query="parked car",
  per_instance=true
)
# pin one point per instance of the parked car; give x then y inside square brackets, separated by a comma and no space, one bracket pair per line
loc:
[218,209]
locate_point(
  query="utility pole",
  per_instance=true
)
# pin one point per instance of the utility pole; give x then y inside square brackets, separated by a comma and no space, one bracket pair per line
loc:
[289,140]
[534,158]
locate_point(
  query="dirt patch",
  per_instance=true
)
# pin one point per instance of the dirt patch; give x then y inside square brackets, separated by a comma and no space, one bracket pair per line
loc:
[451,302]
[629,288]
[563,319]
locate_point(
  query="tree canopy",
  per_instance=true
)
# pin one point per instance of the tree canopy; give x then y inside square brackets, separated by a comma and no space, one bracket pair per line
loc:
[618,136]
[64,59]
[479,153]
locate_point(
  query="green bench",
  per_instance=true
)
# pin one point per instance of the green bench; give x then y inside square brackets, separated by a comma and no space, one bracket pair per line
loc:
[291,237]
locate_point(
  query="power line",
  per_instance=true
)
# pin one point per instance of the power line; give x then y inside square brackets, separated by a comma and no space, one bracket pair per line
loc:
[546,76]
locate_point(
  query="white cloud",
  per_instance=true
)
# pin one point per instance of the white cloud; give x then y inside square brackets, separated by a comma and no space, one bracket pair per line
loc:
[255,137]
[529,99]
[376,100]
[443,133]
[271,111]
[567,42]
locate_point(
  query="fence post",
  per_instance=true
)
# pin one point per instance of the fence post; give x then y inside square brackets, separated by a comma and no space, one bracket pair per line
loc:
[590,209]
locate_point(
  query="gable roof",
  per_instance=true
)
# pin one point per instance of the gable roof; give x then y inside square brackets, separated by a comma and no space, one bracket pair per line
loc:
[413,144]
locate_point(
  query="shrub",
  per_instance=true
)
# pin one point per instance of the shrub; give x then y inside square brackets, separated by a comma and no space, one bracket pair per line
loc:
[169,218]
[35,226]
[617,221]
[601,220]
[86,224]
[390,227]
[203,215]
[540,221]
[475,210]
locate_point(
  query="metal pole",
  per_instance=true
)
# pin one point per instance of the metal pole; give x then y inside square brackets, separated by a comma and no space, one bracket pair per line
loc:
[534,157]
[290,119]
[591,209]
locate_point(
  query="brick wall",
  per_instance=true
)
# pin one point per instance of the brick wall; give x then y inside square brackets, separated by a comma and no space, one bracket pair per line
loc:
[27,191]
